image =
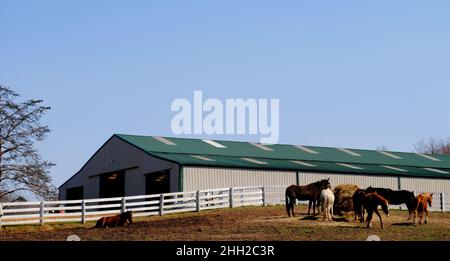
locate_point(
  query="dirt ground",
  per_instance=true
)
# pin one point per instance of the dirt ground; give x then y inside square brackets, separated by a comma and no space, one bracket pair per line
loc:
[240,224]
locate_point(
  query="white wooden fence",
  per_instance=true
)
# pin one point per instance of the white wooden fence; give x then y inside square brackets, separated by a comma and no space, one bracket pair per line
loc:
[40,212]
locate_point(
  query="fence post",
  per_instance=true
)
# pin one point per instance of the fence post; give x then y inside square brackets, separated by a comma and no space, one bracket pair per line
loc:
[41,214]
[123,205]
[161,204]
[231,197]
[442,202]
[198,200]
[83,211]
[264,196]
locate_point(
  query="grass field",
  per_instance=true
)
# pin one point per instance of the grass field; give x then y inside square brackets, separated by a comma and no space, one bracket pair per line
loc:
[246,223]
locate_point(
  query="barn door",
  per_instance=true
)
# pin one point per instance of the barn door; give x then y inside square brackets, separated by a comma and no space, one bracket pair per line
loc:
[112,185]
[157,182]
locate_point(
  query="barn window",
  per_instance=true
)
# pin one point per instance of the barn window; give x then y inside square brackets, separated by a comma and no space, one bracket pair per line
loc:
[305,149]
[303,163]
[349,152]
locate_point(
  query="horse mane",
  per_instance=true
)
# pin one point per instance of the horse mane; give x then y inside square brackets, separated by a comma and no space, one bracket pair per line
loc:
[381,198]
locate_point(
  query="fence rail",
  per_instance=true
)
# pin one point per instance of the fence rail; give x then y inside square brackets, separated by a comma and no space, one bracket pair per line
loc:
[41,212]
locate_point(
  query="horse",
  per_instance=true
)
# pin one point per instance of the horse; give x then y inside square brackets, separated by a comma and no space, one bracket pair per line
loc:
[358,204]
[421,204]
[395,197]
[371,201]
[114,221]
[309,192]
[327,202]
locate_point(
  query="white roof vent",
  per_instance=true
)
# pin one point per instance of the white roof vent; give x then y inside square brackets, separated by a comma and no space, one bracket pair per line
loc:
[303,163]
[349,166]
[305,149]
[164,140]
[389,154]
[254,161]
[202,158]
[215,144]
[349,152]
[258,145]
[394,168]
[428,157]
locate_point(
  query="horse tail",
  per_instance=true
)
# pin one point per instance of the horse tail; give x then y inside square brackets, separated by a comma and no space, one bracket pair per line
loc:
[288,205]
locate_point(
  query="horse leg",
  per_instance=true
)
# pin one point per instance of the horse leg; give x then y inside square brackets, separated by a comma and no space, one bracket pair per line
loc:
[379,216]
[309,207]
[314,207]
[426,215]
[318,205]
[292,207]
[332,213]
[369,218]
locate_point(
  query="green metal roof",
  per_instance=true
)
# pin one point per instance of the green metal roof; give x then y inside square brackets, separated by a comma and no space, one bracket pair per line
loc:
[281,156]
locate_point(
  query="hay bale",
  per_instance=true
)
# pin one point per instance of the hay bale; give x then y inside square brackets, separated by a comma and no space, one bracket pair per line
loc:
[343,202]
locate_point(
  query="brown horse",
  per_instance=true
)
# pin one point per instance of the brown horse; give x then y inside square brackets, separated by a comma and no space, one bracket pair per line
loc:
[114,221]
[357,199]
[421,204]
[309,192]
[371,201]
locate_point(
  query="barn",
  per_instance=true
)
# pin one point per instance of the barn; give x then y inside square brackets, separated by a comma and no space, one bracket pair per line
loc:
[128,165]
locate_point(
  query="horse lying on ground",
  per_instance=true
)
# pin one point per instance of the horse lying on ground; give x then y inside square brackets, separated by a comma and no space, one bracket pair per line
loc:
[371,201]
[421,203]
[358,204]
[327,202]
[114,221]
[309,192]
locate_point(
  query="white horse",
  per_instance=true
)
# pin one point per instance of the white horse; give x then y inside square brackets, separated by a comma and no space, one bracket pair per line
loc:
[327,202]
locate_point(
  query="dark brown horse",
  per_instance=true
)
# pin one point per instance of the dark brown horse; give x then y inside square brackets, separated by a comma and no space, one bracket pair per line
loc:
[357,198]
[309,192]
[114,221]
[395,197]
[371,201]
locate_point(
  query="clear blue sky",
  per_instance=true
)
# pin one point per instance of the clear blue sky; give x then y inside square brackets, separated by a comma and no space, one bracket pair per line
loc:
[355,74]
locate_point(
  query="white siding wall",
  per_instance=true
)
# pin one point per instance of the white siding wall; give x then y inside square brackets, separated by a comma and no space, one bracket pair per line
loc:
[195,178]
[426,185]
[363,181]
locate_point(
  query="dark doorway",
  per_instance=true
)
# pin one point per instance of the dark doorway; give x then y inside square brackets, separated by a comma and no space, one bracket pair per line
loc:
[112,185]
[75,193]
[157,182]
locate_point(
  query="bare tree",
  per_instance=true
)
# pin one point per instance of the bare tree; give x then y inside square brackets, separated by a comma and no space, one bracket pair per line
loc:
[433,146]
[21,166]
